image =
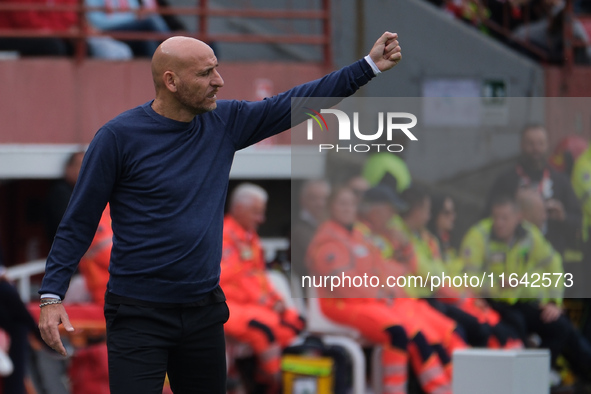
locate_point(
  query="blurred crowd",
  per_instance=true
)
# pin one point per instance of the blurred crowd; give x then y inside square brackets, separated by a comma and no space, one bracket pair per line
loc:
[533,27]
[106,17]
[382,223]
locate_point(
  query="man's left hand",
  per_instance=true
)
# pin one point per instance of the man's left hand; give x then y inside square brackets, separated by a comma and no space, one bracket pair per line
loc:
[386,52]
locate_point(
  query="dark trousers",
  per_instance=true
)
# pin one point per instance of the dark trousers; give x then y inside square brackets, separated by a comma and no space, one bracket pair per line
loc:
[144,343]
[18,323]
[559,336]
[476,334]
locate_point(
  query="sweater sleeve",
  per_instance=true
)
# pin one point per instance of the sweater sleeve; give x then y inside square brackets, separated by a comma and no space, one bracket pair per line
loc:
[93,189]
[252,122]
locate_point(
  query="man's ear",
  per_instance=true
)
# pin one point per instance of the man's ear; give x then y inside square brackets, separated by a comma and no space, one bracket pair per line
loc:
[170,81]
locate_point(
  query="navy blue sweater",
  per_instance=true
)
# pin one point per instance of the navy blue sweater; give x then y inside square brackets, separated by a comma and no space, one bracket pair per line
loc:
[166,182]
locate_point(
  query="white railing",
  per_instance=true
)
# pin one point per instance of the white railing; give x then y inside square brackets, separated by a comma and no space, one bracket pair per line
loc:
[21,274]
[272,245]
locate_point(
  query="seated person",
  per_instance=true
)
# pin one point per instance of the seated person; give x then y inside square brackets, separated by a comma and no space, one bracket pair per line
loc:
[120,16]
[258,314]
[339,249]
[94,265]
[16,321]
[34,19]
[505,244]
[482,325]
[56,21]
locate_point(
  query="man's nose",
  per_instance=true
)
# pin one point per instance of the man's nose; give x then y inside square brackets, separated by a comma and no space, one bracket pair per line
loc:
[217,80]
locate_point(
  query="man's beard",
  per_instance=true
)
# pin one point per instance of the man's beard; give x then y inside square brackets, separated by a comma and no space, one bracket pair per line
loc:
[185,98]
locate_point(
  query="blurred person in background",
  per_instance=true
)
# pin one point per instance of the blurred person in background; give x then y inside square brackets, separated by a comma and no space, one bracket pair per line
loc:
[123,16]
[387,169]
[473,321]
[441,225]
[258,314]
[547,34]
[507,244]
[35,19]
[58,22]
[359,185]
[338,247]
[412,224]
[20,326]
[377,208]
[173,21]
[533,171]
[482,325]
[581,181]
[566,153]
[532,207]
[59,194]
[94,265]
[313,210]
[380,205]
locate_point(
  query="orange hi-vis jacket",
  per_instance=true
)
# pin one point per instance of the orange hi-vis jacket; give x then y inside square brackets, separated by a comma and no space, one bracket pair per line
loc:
[392,248]
[337,251]
[327,257]
[251,298]
[94,266]
[243,267]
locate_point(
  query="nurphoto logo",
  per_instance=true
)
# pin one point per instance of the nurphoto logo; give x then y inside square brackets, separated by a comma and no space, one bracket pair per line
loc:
[344,130]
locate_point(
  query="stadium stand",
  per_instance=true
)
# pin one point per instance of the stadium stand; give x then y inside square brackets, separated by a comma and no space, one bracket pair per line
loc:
[263,51]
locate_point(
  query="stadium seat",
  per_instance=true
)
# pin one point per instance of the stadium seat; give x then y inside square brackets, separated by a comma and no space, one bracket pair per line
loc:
[492,371]
[293,295]
[586,22]
[235,349]
[339,335]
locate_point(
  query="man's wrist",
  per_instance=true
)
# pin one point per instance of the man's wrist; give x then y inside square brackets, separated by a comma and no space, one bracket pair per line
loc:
[373,65]
[49,301]
[50,296]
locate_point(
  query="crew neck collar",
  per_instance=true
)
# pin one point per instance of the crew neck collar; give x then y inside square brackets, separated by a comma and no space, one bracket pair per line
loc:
[163,119]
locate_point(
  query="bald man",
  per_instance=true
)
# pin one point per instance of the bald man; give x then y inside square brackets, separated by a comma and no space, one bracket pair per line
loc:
[533,207]
[164,167]
[313,203]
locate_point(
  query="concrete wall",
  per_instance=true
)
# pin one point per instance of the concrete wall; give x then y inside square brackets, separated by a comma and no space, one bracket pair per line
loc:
[434,46]
[56,101]
[437,47]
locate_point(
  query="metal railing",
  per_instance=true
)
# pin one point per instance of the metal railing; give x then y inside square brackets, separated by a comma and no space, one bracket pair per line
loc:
[202,12]
[569,41]
[21,274]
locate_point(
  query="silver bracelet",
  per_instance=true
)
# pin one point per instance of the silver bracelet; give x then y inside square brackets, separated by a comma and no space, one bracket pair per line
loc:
[52,301]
